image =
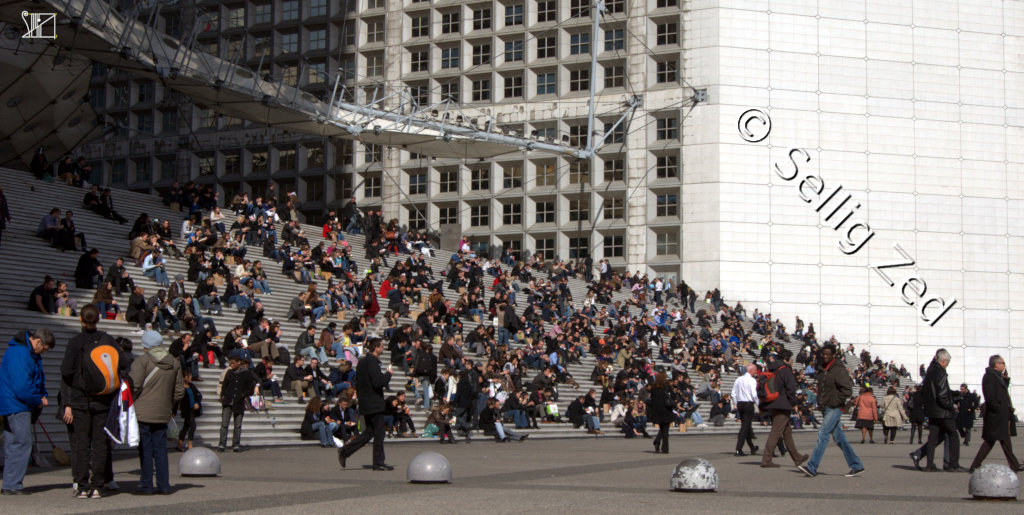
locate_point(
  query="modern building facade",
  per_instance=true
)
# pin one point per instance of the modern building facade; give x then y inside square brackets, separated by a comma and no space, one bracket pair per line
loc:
[524,63]
[915,109]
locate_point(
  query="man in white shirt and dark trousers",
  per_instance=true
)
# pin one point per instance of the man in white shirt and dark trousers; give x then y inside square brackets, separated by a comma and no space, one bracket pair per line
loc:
[744,391]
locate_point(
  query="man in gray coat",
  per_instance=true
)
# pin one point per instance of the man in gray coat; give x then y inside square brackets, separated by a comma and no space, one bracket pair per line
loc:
[157,387]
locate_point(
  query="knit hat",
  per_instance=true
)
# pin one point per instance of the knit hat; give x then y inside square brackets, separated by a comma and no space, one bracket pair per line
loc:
[151,339]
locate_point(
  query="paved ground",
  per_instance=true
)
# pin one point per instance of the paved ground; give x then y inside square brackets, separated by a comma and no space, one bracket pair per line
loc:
[612,475]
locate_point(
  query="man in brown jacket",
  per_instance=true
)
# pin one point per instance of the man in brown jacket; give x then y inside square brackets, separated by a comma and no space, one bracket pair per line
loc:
[158,386]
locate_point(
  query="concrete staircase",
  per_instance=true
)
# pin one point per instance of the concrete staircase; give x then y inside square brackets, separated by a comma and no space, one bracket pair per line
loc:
[25,259]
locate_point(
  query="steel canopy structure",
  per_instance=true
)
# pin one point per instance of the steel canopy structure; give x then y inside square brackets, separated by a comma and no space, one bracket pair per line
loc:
[95,30]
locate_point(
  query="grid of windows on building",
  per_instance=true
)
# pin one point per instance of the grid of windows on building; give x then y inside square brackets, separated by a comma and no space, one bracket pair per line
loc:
[518,52]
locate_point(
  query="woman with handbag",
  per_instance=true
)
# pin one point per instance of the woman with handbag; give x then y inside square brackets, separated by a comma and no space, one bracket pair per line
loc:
[660,412]
[867,413]
[893,415]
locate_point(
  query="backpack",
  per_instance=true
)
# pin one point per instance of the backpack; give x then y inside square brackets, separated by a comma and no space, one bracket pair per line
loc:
[422,367]
[99,367]
[767,387]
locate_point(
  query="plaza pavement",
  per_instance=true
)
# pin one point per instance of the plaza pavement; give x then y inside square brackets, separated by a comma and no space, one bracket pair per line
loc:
[594,475]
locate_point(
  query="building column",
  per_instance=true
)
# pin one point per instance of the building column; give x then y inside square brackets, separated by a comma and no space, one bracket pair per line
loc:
[636,144]
[390,189]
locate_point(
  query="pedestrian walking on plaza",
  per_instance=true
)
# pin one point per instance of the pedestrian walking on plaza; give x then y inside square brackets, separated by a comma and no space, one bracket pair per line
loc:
[22,395]
[371,379]
[660,412]
[158,386]
[938,404]
[997,420]
[867,413]
[915,412]
[744,390]
[834,388]
[966,405]
[781,411]
[237,383]
[892,415]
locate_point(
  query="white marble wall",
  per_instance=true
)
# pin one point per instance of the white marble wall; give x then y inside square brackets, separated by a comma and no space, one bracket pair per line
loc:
[917,110]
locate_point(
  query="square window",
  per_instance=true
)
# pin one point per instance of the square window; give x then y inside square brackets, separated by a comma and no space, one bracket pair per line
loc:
[545,212]
[513,15]
[481,90]
[418,183]
[480,179]
[420,26]
[168,168]
[375,31]
[614,170]
[579,43]
[579,210]
[236,17]
[480,216]
[513,86]
[450,91]
[667,205]
[371,185]
[450,23]
[667,128]
[144,121]
[374,65]
[169,121]
[613,246]
[579,80]
[448,216]
[289,43]
[579,172]
[449,181]
[263,13]
[97,97]
[512,214]
[207,165]
[546,83]
[546,47]
[342,186]
[290,10]
[667,33]
[450,57]
[318,8]
[318,39]
[667,244]
[579,8]
[614,39]
[232,163]
[482,18]
[616,135]
[545,174]
[513,176]
[481,54]
[546,10]
[546,247]
[417,220]
[614,76]
[614,209]
[666,3]
[143,170]
[259,161]
[514,50]
[666,71]
[666,167]
[146,92]
[314,156]
[117,171]
[316,73]
[419,61]
[579,248]
[615,6]
[286,159]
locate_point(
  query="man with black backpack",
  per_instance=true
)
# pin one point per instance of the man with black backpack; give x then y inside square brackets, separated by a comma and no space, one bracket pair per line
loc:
[776,390]
[90,378]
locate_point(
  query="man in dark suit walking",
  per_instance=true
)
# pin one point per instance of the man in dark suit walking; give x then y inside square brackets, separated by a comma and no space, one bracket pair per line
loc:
[996,416]
[371,379]
[938,404]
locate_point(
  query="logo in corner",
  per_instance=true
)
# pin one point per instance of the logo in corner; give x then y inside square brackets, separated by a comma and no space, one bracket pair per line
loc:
[39,25]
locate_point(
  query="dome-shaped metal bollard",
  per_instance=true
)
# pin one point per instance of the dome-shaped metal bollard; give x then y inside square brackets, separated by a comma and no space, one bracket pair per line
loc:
[994,482]
[694,475]
[199,461]
[429,467]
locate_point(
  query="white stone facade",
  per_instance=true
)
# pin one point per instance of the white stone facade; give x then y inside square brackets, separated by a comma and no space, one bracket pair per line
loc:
[916,109]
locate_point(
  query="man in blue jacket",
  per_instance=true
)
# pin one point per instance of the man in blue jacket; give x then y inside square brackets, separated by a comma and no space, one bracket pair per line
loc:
[22,391]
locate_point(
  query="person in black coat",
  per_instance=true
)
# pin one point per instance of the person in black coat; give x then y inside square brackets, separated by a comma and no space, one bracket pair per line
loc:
[938,405]
[371,379]
[659,411]
[238,383]
[966,405]
[89,270]
[997,414]
[915,412]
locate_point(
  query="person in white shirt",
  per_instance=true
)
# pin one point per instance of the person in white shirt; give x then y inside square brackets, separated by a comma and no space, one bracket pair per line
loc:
[744,391]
